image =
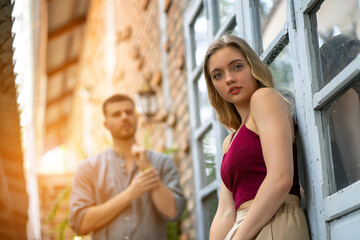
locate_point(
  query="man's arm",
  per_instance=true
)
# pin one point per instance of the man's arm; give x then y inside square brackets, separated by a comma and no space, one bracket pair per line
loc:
[167,197]
[164,200]
[98,216]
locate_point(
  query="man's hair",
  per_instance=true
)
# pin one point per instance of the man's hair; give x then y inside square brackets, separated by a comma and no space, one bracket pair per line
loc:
[116,98]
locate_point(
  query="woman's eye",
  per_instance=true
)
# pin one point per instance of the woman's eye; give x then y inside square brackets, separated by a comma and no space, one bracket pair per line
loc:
[237,66]
[216,76]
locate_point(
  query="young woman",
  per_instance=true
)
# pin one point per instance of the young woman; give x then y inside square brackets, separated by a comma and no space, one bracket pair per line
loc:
[259,197]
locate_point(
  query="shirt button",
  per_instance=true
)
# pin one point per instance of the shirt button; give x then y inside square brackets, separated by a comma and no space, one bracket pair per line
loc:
[126,237]
[127,218]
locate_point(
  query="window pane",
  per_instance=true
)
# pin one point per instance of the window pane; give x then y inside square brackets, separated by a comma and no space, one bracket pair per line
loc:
[207,158]
[205,110]
[200,34]
[235,31]
[338,36]
[226,7]
[282,72]
[273,17]
[209,209]
[344,128]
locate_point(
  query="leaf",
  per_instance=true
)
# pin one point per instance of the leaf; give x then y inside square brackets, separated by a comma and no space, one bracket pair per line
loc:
[63,196]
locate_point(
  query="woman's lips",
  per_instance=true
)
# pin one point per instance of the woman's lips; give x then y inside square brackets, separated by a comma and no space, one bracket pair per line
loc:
[234,90]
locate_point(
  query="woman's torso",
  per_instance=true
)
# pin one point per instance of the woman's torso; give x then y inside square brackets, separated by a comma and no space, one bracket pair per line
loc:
[243,167]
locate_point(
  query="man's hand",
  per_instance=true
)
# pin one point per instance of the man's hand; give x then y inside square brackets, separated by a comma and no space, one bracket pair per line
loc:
[144,181]
[139,153]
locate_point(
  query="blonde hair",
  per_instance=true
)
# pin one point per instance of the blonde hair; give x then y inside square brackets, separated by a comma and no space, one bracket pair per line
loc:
[227,113]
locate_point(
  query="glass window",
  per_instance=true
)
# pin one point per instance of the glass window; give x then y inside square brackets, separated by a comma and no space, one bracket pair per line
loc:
[209,207]
[338,36]
[226,7]
[343,115]
[235,31]
[339,45]
[272,17]
[200,34]
[205,110]
[207,158]
[282,72]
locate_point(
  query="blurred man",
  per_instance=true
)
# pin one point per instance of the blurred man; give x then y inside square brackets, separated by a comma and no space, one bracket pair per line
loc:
[126,192]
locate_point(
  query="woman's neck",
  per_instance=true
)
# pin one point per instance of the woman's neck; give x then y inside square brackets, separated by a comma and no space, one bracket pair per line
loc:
[243,111]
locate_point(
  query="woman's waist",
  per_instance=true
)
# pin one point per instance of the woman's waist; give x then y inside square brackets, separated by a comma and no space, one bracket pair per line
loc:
[290,198]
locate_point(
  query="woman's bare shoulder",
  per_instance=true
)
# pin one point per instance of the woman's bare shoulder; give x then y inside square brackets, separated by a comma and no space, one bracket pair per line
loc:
[267,98]
[266,94]
[227,142]
[266,105]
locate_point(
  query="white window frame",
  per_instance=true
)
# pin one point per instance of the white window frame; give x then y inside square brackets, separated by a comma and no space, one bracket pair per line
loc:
[197,132]
[323,207]
[300,34]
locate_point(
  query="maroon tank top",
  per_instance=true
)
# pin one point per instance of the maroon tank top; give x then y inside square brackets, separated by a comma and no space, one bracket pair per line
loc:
[243,167]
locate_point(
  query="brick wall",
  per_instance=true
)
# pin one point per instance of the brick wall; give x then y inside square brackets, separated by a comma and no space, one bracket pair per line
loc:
[52,192]
[13,194]
[179,96]
[135,37]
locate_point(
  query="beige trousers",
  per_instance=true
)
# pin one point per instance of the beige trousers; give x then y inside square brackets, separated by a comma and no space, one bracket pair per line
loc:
[289,222]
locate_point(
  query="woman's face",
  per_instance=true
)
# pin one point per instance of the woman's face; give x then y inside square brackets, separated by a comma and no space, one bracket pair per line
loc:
[231,75]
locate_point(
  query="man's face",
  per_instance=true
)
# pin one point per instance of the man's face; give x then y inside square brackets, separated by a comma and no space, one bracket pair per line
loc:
[121,119]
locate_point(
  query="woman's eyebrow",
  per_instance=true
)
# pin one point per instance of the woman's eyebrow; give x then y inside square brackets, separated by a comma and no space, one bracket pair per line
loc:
[236,60]
[214,70]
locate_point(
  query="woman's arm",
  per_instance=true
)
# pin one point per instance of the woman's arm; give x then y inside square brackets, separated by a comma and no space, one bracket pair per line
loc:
[225,215]
[271,117]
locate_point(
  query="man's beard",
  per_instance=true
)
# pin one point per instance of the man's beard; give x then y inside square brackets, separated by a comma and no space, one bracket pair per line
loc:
[123,135]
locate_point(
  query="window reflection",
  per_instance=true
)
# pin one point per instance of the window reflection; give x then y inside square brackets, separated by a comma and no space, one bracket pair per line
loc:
[344,124]
[272,17]
[209,209]
[344,113]
[346,22]
[200,34]
[205,110]
[282,72]
[226,7]
[339,46]
[208,158]
[235,31]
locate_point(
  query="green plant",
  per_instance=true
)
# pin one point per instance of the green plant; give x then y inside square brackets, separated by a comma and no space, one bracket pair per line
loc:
[170,151]
[173,228]
[63,196]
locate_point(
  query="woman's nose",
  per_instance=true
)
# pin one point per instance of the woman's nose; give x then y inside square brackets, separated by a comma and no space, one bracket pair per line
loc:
[230,78]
